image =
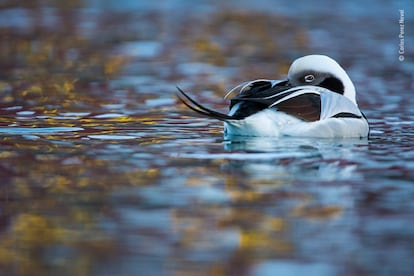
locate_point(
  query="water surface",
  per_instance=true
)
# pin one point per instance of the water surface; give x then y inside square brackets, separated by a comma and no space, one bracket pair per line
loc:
[103,172]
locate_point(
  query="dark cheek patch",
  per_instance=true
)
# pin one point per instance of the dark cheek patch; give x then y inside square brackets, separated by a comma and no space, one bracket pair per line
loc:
[333,84]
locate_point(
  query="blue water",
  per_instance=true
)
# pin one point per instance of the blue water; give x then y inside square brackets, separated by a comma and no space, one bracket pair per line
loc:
[125,180]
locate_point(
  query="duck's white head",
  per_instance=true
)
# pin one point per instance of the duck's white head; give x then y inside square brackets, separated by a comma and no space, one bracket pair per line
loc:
[323,71]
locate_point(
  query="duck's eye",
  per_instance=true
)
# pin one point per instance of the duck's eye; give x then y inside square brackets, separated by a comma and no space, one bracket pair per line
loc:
[309,78]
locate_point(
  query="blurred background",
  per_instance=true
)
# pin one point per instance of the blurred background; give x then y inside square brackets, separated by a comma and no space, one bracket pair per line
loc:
[103,172]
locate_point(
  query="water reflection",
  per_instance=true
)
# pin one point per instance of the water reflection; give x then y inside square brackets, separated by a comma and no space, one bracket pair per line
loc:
[288,158]
[103,173]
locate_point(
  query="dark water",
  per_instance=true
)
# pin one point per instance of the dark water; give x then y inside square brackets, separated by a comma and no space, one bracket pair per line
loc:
[104,173]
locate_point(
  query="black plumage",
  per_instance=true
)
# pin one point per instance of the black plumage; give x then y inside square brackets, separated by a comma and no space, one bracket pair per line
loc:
[260,95]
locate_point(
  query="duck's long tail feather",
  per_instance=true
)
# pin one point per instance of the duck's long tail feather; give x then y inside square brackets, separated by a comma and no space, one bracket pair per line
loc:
[193,105]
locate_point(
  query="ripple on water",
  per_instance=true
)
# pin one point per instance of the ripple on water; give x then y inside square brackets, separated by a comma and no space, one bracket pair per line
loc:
[113,137]
[37,130]
[25,113]
[109,115]
[74,114]
[242,156]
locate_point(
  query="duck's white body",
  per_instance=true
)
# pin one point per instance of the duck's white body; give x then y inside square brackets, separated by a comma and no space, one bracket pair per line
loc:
[272,123]
[269,123]
[317,100]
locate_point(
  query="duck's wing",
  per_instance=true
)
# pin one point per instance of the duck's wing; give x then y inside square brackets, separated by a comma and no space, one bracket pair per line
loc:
[257,88]
[304,105]
[308,103]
